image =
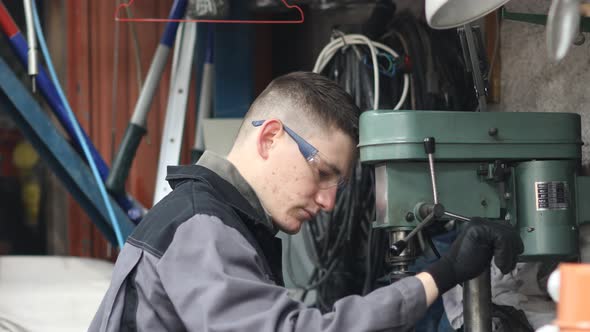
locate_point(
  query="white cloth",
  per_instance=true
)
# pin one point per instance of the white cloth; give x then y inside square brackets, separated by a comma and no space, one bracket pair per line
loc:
[519,289]
[48,293]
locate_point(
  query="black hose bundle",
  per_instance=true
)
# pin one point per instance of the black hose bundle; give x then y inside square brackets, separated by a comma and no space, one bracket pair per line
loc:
[349,255]
[439,78]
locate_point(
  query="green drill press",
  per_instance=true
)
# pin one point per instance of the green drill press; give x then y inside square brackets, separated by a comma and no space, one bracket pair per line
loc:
[432,166]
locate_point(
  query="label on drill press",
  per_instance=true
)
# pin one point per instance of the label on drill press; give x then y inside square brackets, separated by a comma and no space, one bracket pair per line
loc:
[552,195]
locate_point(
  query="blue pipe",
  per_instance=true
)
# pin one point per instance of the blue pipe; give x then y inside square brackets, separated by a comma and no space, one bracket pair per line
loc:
[78,131]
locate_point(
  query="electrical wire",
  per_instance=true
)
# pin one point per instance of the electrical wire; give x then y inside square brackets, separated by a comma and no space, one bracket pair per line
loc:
[136,49]
[367,282]
[343,41]
[290,271]
[404,95]
[334,46]
[343,244]
[138,71]
[78,131]
[333,235]
[404,44]
[432,245]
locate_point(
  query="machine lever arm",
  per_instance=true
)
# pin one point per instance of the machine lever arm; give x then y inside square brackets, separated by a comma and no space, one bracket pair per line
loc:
[435,211]
[456,216]
[429,148]
[398,247]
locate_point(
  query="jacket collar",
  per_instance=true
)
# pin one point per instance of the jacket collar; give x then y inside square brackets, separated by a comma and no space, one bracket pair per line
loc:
[225,178]
[261,227]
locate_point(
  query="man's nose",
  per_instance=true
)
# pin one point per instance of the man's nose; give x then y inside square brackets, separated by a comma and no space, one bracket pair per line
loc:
[326,198]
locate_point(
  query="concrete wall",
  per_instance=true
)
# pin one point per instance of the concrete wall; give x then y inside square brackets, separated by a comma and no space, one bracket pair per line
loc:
[533,83]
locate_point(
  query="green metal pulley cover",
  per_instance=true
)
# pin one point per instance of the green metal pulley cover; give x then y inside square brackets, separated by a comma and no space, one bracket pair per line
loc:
[399,135]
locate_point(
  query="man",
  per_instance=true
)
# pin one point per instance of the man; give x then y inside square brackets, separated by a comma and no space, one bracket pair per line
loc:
[205,258]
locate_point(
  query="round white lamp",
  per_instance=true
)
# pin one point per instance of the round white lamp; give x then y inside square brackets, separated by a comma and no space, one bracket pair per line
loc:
[446,14]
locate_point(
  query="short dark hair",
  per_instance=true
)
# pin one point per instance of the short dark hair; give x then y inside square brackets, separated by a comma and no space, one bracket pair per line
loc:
[321,100]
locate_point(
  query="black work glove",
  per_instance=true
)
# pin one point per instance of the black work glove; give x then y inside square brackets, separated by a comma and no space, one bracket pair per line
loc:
[473,250]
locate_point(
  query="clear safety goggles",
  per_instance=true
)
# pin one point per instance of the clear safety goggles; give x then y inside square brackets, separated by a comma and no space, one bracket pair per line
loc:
[326,174]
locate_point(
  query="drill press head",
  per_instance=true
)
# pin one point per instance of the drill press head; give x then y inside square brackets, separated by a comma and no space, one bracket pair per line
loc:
[486,164]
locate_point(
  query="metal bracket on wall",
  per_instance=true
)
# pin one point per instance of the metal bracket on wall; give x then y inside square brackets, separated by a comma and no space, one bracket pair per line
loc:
[539,19]
[56,151]
[475,61]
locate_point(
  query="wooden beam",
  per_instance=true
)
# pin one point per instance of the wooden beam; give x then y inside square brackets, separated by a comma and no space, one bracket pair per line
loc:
[493,42]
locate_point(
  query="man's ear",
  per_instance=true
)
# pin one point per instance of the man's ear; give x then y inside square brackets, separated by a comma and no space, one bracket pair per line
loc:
[266,139]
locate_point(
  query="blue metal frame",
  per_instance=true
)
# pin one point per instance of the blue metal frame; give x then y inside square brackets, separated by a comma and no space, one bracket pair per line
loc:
[56,151]
[49,91]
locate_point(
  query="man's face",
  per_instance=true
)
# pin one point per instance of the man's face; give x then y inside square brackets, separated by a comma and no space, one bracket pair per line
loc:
[297,189]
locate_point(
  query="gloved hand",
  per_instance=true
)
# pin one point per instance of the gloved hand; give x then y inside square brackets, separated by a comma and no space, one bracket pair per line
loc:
[473,250]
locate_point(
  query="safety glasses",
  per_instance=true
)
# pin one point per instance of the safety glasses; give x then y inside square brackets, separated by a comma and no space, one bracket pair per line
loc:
[326,174]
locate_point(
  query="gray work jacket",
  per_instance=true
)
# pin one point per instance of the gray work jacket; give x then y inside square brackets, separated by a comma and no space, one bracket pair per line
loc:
[201,260]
